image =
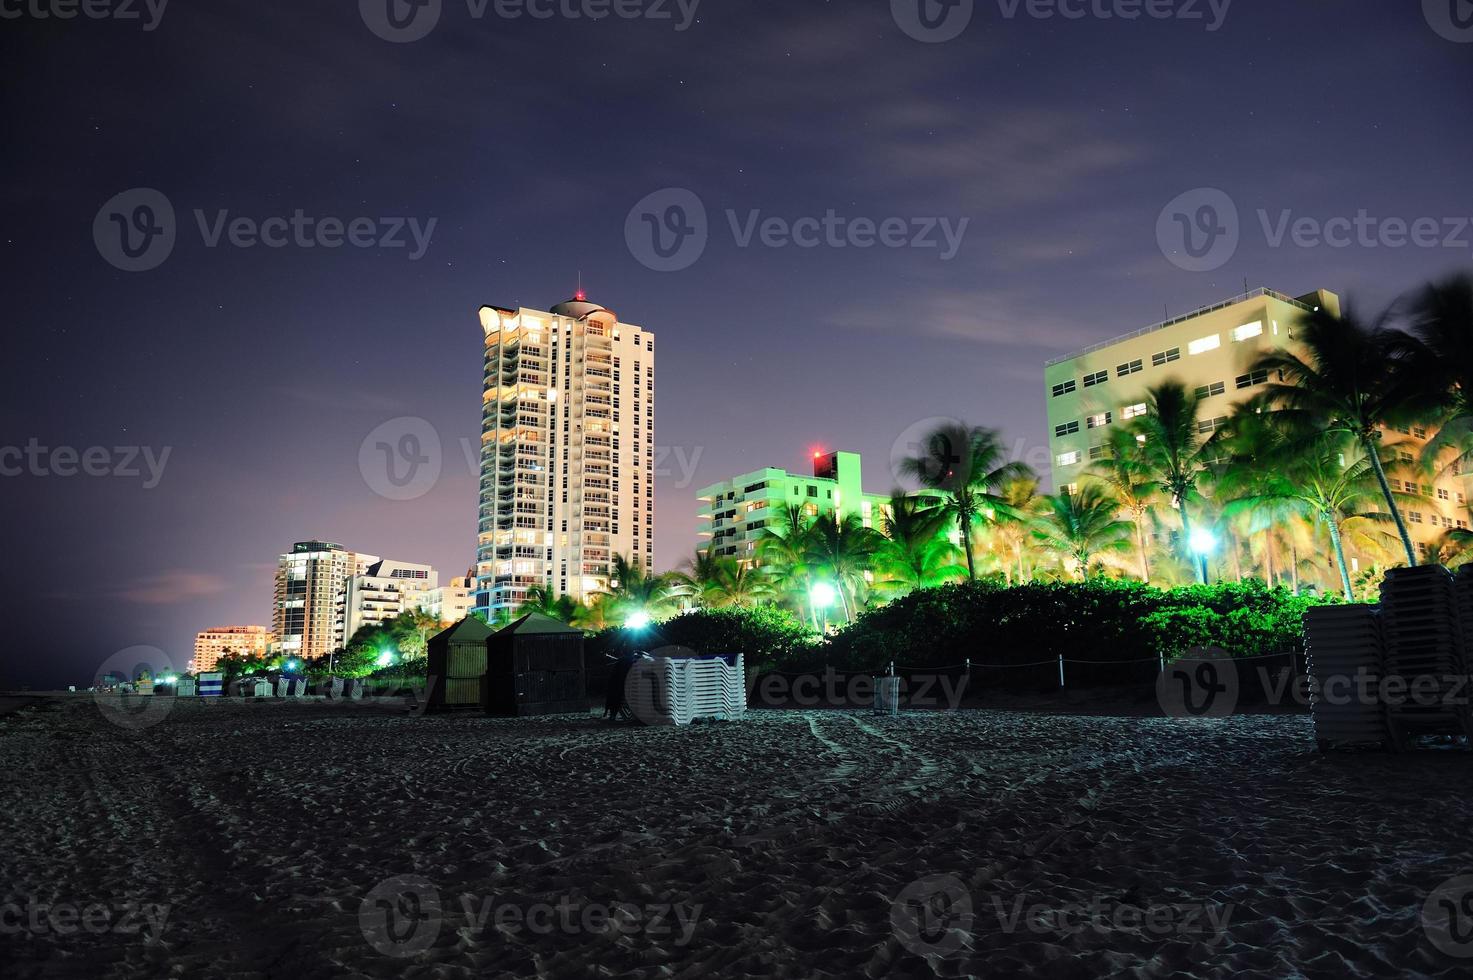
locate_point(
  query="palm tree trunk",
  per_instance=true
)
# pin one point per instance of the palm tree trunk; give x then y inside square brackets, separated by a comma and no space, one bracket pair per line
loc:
[1340,557]
[1140,541]
[964,521]
[1238,557]
[1294,562]
[1268,557]
[1401,528]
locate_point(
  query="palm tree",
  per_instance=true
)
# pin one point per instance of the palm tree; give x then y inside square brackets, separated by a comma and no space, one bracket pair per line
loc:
[1439,352]
[632,589]
[736,584]
[1012,525]
[782,550]
[1256,443]
[843,548]
[1320,484]
[915,553]
[1081,525]
[1351,378]
[542,599]
[700,572]
[1173,450]
[1125,472]
[966,466]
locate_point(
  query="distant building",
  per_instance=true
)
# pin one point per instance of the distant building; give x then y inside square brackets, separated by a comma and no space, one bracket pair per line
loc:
[385,590]
[734,512]
[1212,351]
[230,641]
[310,581]
[449,603]
[567,451]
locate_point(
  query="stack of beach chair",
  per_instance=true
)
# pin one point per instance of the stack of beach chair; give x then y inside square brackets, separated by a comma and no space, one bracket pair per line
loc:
[679,691]
[1425,643]
[1344,660]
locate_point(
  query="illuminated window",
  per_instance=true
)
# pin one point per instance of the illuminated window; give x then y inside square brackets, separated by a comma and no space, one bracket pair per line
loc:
[1247,332]
[1133,411]
[1204,344]
[1099,421]
[1071,489]
[1069,459]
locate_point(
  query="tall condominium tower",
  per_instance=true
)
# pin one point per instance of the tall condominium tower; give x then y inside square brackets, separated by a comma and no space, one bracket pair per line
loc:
[567,451]
[307,615]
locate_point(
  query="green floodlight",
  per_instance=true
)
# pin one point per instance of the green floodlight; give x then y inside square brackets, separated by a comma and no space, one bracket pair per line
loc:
[823,595]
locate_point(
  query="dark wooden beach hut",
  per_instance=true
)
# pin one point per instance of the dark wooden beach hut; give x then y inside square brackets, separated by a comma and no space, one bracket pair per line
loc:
[457,666]
[535,667]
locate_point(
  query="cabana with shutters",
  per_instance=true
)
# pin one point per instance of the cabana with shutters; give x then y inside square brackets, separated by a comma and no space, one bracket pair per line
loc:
[535,667]
[457,666]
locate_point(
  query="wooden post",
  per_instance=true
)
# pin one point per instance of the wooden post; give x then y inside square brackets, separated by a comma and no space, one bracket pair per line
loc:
[1061,670]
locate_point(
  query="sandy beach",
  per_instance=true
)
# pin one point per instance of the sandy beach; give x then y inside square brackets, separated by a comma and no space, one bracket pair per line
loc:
[280,839]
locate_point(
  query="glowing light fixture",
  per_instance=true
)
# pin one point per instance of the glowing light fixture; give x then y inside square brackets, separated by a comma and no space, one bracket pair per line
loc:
[823,595]
[638,620]
[1202,541]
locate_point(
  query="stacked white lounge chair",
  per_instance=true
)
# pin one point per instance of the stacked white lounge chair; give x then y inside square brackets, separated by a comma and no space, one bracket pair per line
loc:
[1424,646]
[1344,659]
[679,691]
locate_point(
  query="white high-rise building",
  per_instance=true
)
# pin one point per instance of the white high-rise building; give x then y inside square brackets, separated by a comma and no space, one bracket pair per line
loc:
[384,591]
[567,451]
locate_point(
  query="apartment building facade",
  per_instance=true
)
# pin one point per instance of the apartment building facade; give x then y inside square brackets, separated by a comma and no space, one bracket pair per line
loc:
[567,451]
[1212,351]
[230,641]
[307,610]
[735,512]
[382,593]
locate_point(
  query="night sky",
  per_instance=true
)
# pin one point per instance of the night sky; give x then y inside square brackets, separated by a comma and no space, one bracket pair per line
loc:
[262,370]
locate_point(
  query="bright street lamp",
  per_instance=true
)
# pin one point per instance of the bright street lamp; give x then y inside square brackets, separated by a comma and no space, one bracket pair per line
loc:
[637,620]
[823,595]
